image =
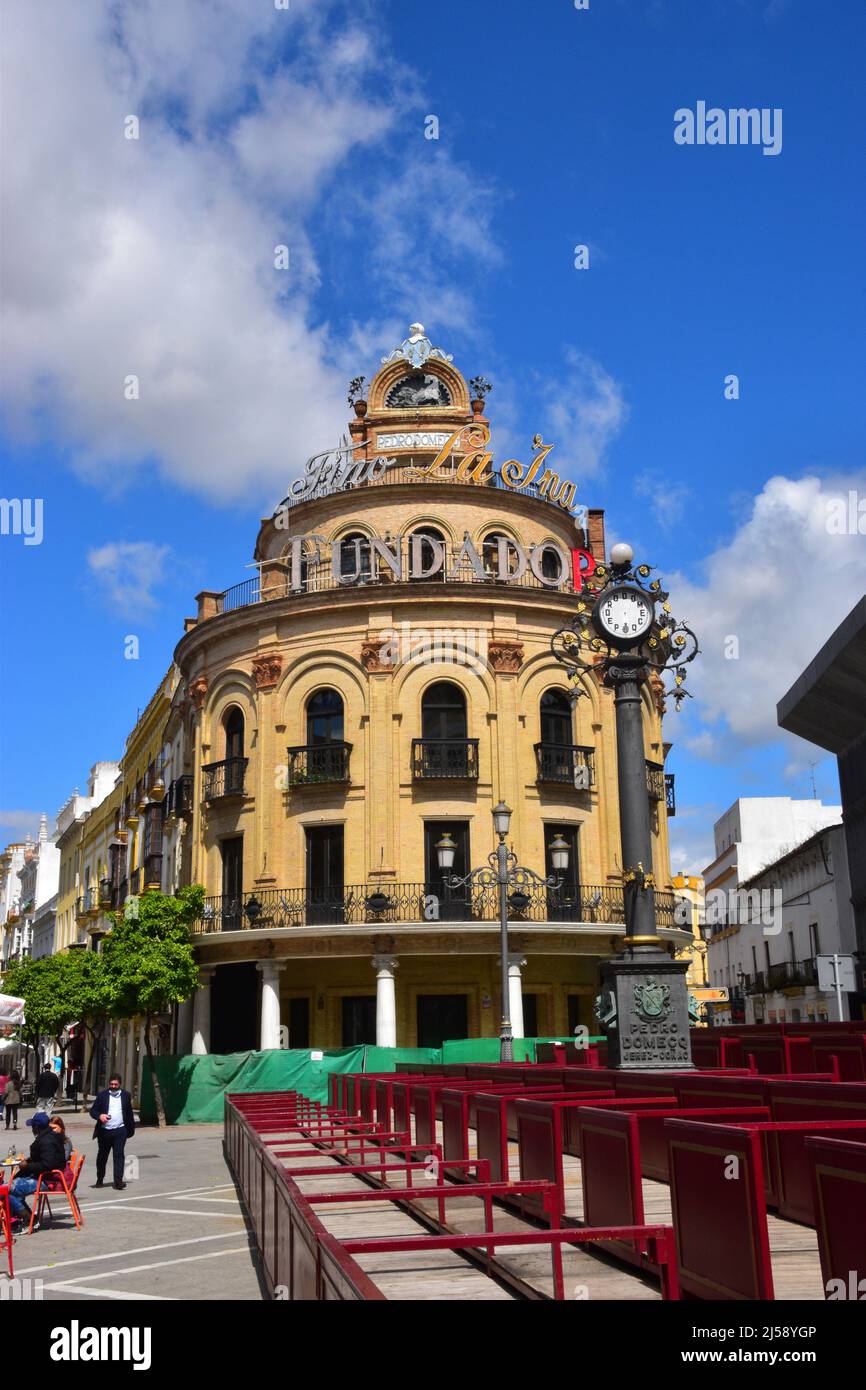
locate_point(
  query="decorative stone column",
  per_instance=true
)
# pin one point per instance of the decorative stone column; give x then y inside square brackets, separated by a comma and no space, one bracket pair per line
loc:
[201,1013]
[386,1000]
[269,1031]
[515,992]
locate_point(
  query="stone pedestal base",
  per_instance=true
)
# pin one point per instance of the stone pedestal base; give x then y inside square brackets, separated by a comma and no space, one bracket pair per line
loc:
[650,1028]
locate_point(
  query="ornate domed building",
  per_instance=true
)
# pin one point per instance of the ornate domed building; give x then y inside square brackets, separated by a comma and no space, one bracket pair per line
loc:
[383,681]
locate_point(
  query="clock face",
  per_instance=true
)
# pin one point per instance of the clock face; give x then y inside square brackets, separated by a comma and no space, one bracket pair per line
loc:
[624,616]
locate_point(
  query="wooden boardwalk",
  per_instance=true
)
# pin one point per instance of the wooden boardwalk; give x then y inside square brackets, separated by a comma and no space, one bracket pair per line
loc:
[446,1275]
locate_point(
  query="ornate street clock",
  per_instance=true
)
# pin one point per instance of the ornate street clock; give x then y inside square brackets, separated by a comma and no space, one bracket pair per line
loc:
[623,615]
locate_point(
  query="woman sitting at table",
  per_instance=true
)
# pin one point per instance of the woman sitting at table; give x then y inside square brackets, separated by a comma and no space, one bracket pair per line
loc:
[46,1154]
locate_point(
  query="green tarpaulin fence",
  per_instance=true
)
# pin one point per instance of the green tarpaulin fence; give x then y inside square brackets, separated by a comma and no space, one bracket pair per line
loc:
[193,1087]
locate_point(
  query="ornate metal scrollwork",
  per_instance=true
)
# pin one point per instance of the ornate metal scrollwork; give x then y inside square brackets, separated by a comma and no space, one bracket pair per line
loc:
[667,648]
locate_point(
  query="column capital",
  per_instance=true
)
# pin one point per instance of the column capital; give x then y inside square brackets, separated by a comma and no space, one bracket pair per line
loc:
[385,964]
[516,960]
[272,968]
[206,974]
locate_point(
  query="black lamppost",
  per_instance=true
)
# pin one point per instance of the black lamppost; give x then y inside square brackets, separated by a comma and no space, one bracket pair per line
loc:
[623,630]
[504,873]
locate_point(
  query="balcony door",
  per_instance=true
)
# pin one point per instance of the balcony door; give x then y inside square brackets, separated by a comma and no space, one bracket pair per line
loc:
[443,712]
[233,883]
[454,903]
[324,874]
[556,718]
[564,904]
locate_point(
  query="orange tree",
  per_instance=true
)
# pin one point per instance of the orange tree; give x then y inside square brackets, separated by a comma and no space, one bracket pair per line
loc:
[149,962]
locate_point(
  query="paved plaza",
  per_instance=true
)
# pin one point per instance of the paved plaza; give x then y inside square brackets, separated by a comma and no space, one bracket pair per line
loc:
[177,1231]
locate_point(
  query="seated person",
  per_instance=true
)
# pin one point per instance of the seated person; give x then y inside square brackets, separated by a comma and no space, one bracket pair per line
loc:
[46,1153]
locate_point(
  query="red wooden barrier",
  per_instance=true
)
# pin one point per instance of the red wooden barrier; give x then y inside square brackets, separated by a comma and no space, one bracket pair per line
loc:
[541,1131]
[619,1149]
[720,1221]
[710,1048]
[838,1170]
[849,1048]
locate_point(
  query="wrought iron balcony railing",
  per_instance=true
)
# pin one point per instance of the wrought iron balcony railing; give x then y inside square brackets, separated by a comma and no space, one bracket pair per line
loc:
[569,764]
[317,763]
[179,799]
[423,903]
[445,757]
[790,972]
[655,781]
[224,779]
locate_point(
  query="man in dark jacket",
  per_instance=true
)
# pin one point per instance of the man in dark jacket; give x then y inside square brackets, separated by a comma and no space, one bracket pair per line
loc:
[46,1153]
[115,1123]
[46,1089]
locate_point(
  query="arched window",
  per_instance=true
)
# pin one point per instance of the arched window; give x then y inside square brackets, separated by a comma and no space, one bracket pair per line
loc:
[427,554]
[490,553]
[556,718]
[355,559]
[324,718]
[233,723]
[551,564]
[443,712]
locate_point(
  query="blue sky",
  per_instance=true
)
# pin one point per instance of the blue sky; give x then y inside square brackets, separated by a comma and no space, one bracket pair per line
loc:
[155,257]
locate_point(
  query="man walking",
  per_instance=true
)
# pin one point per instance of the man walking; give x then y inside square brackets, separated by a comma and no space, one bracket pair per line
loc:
[46,1089]
[115,1123]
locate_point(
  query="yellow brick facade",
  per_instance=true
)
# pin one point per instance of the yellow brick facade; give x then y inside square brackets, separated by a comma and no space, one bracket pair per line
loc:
[267,659]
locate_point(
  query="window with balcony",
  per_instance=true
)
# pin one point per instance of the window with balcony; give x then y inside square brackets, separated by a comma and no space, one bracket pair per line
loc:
[324,757]
[558,758]
[443,750]
[226,778]
[454,903]
[152,864]
[325,883]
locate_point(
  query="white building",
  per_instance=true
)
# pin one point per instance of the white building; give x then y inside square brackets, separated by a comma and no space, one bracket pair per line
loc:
[44,922]
[11,862]
[757,830]
[754,833]
[39,876]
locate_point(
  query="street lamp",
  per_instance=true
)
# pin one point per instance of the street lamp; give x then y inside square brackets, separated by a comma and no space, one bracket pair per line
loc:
[623,633]
[504,873]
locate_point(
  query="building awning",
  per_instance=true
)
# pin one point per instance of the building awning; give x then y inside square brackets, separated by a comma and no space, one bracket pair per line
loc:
[827,704]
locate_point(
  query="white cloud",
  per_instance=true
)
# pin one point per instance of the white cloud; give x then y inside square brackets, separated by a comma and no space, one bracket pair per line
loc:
[127,572]
[155,257]
[779,587]
[15,826]
[667,499]
[584,409]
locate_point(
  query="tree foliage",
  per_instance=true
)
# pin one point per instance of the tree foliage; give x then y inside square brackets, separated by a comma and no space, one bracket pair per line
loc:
[149,963]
